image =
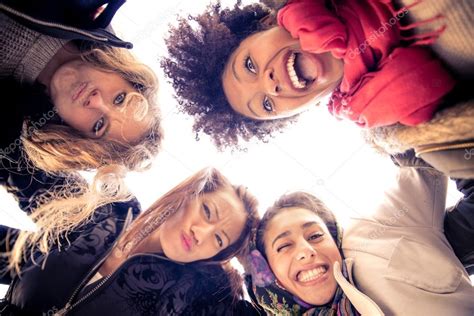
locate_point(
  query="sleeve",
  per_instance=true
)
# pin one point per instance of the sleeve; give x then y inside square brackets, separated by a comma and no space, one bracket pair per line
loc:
[417,198]
[7,239]
[459,224]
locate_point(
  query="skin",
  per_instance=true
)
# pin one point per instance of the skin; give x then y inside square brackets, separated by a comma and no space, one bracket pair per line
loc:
[297,240]
[95,102]
[256,81]
[201,229]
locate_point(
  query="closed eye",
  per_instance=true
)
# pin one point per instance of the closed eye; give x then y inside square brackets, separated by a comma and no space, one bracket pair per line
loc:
[281,247]
[249,65]
[120,98]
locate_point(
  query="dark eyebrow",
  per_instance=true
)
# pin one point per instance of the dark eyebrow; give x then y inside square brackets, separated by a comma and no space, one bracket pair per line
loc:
[234,72]
[309,224]
[282,235]
[217,211]
[227,236]
[251,110]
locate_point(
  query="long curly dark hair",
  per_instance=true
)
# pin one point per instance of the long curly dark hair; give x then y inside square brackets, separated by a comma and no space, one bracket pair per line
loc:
[199,48]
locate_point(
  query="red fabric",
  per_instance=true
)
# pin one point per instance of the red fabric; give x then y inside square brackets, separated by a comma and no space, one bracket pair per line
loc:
[383,82]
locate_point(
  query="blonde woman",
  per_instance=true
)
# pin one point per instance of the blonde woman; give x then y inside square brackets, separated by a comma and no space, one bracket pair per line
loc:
[74,98]
[168,260]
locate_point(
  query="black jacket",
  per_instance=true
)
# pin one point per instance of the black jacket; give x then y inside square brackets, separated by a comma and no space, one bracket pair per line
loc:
[70,20]
[145,284]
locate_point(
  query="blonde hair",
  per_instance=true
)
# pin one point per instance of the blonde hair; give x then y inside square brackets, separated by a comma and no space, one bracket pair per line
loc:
[58,148]
[62,150]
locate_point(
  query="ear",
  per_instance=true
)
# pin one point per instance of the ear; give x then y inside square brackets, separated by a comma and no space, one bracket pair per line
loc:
[268,21]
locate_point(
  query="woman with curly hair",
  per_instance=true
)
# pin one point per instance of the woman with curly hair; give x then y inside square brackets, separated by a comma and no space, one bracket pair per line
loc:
[170,259]
[361,54]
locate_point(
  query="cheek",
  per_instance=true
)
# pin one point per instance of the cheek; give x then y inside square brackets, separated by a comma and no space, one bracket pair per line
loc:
[280,267]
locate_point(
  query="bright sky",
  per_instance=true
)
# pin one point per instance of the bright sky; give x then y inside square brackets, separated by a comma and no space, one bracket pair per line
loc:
[318,154]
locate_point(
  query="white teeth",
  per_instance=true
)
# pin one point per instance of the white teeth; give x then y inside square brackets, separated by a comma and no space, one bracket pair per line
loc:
[310,275]
[290,67]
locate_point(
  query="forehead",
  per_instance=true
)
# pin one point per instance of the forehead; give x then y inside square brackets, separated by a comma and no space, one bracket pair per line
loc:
[291,219]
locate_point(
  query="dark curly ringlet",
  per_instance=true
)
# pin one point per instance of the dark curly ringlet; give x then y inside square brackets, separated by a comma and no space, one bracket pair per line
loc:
[197,57]
[298,200]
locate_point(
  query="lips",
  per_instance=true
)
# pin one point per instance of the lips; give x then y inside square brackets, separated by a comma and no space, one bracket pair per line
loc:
[79,90]
[312,275]
[187,242]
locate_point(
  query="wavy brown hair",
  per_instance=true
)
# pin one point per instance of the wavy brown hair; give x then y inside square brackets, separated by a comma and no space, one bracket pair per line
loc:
[199,48]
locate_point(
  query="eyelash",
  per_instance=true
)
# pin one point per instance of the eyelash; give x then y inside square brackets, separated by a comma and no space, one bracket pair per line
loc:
[248,63]
[267,105]
[219,241]
[120,98]
[310,238]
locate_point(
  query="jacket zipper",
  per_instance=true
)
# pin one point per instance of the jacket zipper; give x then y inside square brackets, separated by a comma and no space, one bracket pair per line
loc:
[52,24]
[69,305]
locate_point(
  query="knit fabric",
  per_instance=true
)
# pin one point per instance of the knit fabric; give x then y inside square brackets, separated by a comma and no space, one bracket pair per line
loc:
[24,53]
[455,45]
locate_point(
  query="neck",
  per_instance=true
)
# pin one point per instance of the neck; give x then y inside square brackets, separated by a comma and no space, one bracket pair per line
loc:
[66,54]
[150,243]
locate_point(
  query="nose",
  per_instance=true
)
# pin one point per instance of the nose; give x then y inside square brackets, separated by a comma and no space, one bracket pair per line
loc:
[272,85]
[202,232]
[305,252]
[96,102]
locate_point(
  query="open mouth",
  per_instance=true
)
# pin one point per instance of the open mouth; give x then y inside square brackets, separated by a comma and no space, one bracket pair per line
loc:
[311,275]
[299,70]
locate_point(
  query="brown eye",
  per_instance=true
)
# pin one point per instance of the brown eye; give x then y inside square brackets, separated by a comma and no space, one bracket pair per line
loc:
[249,65]
[267,105]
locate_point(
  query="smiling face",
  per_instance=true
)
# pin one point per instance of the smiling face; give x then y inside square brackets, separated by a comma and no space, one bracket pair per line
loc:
[301,254]
[268,76]
[95,102]
[204,227]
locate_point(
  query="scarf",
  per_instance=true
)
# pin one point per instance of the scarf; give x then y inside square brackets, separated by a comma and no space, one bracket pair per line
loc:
[276,300]
[383,82]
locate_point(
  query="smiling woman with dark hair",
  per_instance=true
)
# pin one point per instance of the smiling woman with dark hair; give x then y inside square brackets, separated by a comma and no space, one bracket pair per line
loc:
[373,59]
[397,261]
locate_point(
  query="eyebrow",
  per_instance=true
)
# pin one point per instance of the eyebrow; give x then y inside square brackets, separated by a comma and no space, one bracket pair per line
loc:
[287,233]
[309,224]
[234,72]
[251,110]
[282,235]
[227,236]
